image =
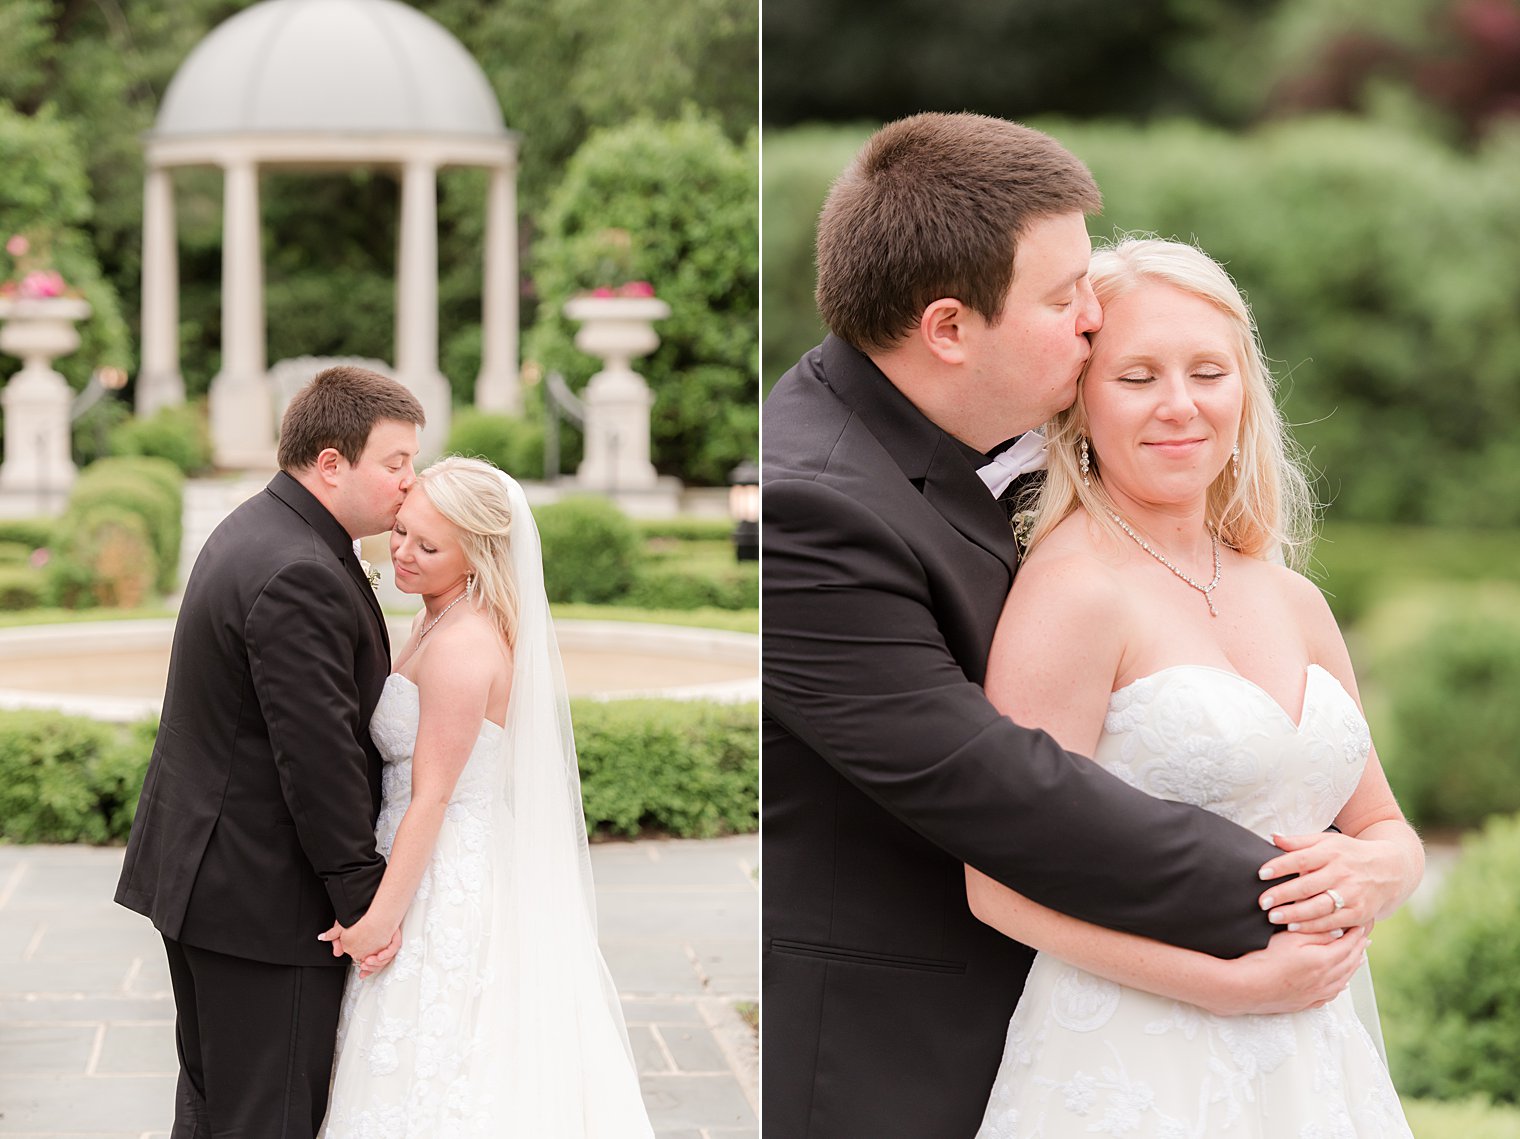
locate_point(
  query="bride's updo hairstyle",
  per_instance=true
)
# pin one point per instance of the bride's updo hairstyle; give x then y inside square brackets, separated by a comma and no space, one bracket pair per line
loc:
[471,495]
[1269,507]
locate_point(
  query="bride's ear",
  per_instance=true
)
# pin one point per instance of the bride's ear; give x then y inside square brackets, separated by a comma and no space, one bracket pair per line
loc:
[942,329]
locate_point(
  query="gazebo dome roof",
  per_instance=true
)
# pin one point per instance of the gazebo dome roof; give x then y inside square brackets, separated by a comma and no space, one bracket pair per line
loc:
[313,67]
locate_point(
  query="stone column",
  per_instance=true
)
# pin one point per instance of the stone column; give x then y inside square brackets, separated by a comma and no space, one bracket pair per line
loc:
[159,383]
[417,302]
[497,388]
[242,411]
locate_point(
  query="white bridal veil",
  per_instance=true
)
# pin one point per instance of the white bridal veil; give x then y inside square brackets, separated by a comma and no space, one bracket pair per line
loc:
[555,1036]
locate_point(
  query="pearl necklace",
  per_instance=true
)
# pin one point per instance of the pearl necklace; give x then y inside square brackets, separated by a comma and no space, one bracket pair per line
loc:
[1162,558]
[431,625]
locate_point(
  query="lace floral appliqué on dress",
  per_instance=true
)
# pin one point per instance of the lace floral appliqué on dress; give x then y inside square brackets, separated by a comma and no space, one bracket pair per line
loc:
[1085,1056]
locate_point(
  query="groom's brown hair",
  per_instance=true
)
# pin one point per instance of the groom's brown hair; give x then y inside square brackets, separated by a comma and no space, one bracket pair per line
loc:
[933,206]
[338,409]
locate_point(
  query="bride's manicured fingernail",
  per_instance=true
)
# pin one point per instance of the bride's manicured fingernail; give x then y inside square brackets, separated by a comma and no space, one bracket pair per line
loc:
[1266,872]
[1292,927]
[1266,903]
[1275,916]
[1337,933]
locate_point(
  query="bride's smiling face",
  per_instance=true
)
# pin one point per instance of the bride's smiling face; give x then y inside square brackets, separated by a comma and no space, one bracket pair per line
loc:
[1163,395]
[426,551]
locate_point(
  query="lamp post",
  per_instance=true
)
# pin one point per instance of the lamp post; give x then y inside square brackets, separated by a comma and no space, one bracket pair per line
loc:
[744,509]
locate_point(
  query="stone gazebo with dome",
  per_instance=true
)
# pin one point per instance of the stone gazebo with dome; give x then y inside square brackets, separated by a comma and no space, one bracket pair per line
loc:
[323,85]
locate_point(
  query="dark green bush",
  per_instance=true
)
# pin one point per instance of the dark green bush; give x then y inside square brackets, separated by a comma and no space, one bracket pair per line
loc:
[1446,662]
[106,558]
[674,204]
[1447,983]
[149,487]
[177,433]
[513,443]
[14,553]
[33,533]
[669,585]
[687,768]
[67,779]
[686,529]
[22,587]
[591,551]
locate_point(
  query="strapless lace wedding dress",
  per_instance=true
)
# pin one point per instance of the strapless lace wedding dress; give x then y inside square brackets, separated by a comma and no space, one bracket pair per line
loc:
[1085,1056]
[417,1058]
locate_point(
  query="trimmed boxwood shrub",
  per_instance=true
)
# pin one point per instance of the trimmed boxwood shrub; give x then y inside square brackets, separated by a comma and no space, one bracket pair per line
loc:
[667,585]
[177,433]
[513,443]
[149,487]
[22,587]
[33,533]
[107,558]
[591,551]
[1446,666]
[686,768]
[1447,983]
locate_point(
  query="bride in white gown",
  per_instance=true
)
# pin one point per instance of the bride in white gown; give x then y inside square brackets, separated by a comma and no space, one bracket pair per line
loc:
[1153,628]
[497,1017]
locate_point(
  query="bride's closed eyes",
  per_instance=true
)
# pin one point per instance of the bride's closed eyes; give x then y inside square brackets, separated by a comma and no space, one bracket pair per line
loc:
[424,546]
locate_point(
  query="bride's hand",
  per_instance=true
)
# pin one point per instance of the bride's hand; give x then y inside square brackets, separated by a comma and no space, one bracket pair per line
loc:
[1364,874]
[334,935]
[1296,971]
[377,961]
[366,938]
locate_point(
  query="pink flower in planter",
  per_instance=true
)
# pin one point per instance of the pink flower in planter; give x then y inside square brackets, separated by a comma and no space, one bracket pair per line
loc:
[41,283]
[18,245]
[637,289]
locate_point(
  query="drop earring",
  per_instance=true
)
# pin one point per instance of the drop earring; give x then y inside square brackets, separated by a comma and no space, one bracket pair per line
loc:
[1084,462]
[1235,461]
[469,587]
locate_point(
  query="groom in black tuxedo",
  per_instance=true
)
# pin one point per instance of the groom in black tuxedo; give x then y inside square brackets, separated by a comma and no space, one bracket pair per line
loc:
[952,260]
[256,824]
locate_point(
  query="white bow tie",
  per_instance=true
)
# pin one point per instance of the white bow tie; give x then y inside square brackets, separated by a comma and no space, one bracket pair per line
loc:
[1026,454]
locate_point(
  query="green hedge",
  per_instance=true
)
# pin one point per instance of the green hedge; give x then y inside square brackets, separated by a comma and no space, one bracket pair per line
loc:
[690,769]
[513,443]
[178,434]
[685,768]
[1448,987]
[88,569]
[1377,261]
[591,551]
[1444,662]
[1474,1118]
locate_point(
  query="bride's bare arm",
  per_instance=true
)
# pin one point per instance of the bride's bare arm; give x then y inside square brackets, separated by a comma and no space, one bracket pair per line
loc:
[453,692]
[1377,860]
[1059,645]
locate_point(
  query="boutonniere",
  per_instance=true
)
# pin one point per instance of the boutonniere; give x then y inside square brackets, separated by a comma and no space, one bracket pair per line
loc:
[1023,526]
[372,574]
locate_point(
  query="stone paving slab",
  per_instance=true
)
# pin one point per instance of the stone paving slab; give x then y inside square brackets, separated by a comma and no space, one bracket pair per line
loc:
[87,1020]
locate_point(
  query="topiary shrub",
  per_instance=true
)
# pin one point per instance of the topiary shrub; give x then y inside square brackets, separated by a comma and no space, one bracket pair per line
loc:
[106,558]
[22,587]
[1446,661]
[67,779]
[668,585]
[688,768]
[149,487]
[1447,983]
[513,443]
[591,551]
[673,204]
[33,533]
[177,433]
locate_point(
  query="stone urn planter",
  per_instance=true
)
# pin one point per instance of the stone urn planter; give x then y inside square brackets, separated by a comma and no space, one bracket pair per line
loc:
[38,470]
[618,330]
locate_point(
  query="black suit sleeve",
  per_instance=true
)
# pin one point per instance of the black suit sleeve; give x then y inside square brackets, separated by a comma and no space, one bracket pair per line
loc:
[856,666]
[302,637]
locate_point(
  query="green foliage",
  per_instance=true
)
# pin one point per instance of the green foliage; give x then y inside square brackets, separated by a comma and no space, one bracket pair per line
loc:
[14,553]
[591,552]
[67,779]
[1379,264]
[1447,984]
[22,587]
[1473,1118]
[179,434]
[33,533]
[687,768]
[694,575]
[730,620]
[682,197]
[1446,660]
[686,529]
[94,549]
[514,444]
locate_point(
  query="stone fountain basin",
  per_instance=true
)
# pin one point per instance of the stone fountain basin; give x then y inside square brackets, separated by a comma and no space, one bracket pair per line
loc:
[116,670]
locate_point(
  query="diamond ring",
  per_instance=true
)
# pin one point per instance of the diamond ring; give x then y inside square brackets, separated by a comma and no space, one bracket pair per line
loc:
[1340,902]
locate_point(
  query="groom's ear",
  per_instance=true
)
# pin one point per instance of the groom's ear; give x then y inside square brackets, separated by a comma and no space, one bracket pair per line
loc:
[942,328]
[329,464]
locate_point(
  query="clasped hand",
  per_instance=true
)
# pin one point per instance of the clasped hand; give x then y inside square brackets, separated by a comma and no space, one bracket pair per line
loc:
[1362,873]
[371,949]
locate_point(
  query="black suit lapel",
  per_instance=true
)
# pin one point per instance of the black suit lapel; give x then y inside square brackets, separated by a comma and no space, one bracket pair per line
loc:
[304,503]
[930,458]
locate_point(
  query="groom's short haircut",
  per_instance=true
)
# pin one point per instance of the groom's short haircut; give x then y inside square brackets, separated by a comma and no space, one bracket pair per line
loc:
[933,206]
[338,409]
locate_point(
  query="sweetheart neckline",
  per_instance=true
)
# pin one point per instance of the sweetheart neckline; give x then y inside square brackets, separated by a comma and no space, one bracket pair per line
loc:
[413,684]
[1297,725]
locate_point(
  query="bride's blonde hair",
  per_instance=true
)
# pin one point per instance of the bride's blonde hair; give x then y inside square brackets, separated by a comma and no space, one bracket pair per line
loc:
[1269,506]
[471,495]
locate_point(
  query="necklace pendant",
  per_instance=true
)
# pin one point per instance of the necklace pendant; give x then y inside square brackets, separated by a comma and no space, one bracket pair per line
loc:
[1212,611]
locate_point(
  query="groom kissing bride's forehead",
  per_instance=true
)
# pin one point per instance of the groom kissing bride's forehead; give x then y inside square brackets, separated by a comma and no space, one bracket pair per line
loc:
[952,273]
